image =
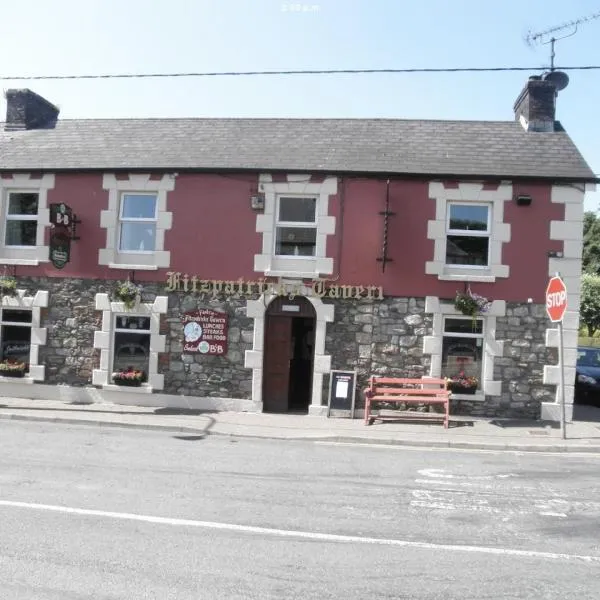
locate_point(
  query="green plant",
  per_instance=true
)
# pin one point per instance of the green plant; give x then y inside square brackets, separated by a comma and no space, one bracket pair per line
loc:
[128,292]
[8,285]
[471,304]
[12,366]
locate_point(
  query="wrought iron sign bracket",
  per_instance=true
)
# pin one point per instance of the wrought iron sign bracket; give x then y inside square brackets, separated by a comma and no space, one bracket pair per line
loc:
[383,259]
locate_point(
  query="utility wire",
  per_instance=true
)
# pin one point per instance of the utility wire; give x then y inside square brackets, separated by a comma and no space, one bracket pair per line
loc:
[290,72]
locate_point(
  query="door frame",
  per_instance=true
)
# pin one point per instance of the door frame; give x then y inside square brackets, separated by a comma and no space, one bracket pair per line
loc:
[254,359]
[276,310]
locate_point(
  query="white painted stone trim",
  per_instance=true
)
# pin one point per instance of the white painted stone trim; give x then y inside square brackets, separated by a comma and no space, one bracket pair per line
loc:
[570,232]
[20,182]
[103,339]
[500,231]
[37,372]
[109,220]
[292,266]
[254,359]
[491,346]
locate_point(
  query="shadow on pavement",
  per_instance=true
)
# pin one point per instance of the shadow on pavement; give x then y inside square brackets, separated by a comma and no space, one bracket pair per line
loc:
[584,412]
[526,423]
[184,411]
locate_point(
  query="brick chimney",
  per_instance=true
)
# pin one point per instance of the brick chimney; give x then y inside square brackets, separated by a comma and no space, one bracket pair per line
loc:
[26,110]
[535,107]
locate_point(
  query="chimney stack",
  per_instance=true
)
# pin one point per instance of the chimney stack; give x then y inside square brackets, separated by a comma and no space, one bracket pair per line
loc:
[26,110]
[535,107]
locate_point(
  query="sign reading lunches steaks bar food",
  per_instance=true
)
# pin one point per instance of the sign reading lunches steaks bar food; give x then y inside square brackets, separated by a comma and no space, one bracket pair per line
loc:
[178,282]
[205,332]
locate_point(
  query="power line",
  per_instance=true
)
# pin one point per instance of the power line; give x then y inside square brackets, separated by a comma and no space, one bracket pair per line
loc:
[292,72]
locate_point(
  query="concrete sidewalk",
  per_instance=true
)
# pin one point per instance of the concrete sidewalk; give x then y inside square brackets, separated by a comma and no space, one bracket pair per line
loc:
[583,435]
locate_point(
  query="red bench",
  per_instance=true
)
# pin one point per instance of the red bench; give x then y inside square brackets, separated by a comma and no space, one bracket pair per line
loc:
[408,391]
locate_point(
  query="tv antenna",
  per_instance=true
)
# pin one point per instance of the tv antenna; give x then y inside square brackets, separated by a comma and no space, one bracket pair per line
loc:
[540,36]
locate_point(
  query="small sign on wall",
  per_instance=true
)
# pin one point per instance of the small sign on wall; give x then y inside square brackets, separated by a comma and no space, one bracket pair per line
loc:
[205,332]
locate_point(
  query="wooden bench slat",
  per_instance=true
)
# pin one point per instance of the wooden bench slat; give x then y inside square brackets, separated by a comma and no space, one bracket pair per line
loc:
[406,390]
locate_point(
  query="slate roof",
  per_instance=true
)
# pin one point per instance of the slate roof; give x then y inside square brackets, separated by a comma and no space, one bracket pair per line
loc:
[384,146]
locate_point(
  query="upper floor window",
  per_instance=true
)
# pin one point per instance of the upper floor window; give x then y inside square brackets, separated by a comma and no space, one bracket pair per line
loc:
[296,228]
[21,219]
[137,222]
[468,232]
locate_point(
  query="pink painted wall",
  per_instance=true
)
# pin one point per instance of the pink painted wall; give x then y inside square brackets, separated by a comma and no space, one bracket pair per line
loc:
[213,234]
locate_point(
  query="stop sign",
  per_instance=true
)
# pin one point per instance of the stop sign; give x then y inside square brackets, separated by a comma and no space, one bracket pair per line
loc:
[556,299]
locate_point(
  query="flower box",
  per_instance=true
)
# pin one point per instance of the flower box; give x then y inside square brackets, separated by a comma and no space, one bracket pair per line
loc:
[458,388]
[128,382]
[12,368]
[130,376]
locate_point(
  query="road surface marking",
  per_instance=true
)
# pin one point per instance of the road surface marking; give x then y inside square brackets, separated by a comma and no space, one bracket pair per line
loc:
[553,514]
[290,533]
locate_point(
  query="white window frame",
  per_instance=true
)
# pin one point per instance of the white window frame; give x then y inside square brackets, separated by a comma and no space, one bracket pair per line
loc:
[104,341]
[20,217]
[35,303]
[469,233]
[468,192]
[116,329]
[473,335]
[123,220]
[295,185]
[141,183]
[295,224]
[492,348]
[25,183]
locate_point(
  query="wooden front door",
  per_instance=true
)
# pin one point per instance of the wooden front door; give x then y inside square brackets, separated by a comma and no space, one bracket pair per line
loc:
[276,370]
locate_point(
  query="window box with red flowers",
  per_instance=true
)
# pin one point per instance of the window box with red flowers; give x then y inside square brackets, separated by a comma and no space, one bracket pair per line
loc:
[130,376]
[462,384]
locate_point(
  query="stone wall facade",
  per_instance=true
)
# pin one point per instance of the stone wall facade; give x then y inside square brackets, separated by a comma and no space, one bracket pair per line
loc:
[380,337]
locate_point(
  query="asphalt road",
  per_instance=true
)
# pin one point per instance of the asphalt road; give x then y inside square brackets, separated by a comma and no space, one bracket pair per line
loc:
[107,513]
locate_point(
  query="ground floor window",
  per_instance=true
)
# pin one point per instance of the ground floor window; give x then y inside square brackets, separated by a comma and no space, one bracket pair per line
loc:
[15,336]
[462,352]
[131,344]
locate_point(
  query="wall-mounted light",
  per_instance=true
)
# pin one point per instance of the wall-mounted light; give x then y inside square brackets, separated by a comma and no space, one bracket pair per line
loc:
[257,202]
[523,200]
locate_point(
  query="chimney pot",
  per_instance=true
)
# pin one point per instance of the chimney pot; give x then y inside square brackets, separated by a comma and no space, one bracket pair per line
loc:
[27,110]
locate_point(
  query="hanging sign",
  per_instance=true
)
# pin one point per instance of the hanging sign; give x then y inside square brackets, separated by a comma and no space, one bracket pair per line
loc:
[61,214]
[205,332]
[60,249]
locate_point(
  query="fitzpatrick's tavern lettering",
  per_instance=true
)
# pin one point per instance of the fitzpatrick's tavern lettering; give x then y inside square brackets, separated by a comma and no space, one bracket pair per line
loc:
[182,282]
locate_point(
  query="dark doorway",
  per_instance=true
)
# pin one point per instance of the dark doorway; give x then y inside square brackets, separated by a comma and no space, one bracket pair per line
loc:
[289,355]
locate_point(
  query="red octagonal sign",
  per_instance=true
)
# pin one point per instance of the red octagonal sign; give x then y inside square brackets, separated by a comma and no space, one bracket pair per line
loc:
[556,299]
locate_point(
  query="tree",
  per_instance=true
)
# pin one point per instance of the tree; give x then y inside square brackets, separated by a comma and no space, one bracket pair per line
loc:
[591,243]
[590,302]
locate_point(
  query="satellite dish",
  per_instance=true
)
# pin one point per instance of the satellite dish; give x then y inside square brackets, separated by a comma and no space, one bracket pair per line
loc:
[558,78]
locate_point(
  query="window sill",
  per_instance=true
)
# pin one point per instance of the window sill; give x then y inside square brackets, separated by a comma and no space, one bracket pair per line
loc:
[142,389]
[478,397]
[25,262]
[130,267]
[292,274]
[467,276]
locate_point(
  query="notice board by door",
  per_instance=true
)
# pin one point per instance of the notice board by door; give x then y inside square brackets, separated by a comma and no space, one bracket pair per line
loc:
[342,392]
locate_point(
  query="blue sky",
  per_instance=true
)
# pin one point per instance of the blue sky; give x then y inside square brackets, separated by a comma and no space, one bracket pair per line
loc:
[67,37]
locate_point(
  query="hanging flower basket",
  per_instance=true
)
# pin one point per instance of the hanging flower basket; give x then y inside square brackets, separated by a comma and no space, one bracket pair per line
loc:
[12,368]
[462,384]
[471,304]
[130,376]
[8,285]
[128,293]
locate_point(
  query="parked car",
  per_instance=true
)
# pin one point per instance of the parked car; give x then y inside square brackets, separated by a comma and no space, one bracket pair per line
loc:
[587,378]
